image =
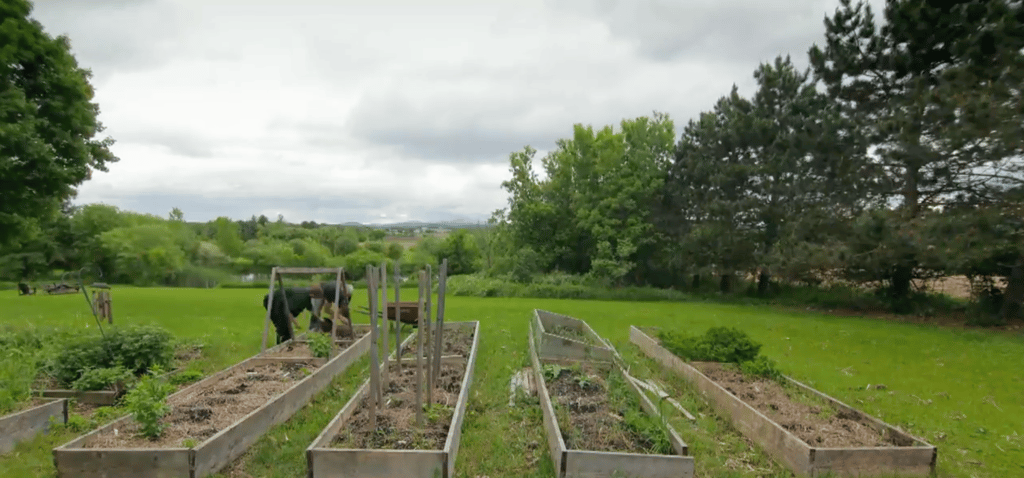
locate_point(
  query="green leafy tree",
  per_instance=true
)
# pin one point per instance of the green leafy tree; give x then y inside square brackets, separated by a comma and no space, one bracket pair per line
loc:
[394,251]
[461,251]
[48,122]
[935,92]
[228,238]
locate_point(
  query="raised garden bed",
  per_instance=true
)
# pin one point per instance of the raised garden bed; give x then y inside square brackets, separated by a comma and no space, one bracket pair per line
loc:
[598,441]
[808,431]
[31,420]
[212,422]
[559,336]
[349,447]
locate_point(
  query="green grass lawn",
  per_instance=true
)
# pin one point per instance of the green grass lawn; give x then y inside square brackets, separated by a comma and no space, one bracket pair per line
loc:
[959,390]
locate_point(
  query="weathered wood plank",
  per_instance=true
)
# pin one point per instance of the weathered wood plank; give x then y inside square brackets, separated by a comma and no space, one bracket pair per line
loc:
[100,397]
[341,463]
[556,443]
[26,424]
[677,442]
[307,270]
[601,464]
[550,345]
[785,447]
[134,463]
[451,445]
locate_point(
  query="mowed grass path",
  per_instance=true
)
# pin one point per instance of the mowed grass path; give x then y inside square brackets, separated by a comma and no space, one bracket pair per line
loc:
[960,390]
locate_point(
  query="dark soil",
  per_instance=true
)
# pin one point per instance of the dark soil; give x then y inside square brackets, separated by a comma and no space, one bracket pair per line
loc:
[586,416]
[396,421]
[302,350]
[457,341]
[203,412]
[808,417]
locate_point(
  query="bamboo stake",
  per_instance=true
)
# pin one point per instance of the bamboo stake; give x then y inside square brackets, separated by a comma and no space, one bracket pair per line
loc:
[438,339]
[398,322]
[384,305]
[374,371]
[430,339]
[419,356]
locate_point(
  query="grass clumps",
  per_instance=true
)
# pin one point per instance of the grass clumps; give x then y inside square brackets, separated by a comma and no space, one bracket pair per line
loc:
[723,345]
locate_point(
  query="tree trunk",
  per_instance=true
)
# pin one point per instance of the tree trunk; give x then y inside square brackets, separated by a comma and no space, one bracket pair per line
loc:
[762,281]
[1014,295]
[900,281]
[725,285]
[696,281]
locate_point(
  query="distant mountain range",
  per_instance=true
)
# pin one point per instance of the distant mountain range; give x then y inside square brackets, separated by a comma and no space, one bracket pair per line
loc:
[454,224]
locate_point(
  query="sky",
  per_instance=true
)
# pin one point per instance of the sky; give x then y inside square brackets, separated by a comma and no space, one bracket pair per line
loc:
[338,111]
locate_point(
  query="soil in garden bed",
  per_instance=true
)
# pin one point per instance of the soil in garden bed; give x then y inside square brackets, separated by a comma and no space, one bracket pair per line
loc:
[27,404]
[808,417]
[571,333]
[302,350]
[595,414]
[456,341]
[203,412]
[396,422]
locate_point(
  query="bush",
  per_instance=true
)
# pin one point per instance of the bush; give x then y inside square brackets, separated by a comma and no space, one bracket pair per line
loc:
[136,348]
[102,378]
[17,372]
[723,345]
[320,344]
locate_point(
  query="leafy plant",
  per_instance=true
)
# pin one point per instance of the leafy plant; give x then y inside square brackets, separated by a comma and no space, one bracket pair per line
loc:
[188,443]
[136,348]
[17,372]
[102,378]
[320,345]
[552,371]
[185,376]
[148,401]
[718,344]
[761,367]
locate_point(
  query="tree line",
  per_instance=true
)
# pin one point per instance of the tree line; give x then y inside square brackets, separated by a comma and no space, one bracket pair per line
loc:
[895,156]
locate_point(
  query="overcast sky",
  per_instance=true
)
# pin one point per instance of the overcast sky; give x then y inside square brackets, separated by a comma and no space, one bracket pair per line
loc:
[338,111]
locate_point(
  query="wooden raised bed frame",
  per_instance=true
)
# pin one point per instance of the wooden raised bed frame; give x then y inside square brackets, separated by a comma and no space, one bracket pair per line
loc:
[26,424]
[794,453]
[551,345]
[74,460]
[323,461]
[585,463]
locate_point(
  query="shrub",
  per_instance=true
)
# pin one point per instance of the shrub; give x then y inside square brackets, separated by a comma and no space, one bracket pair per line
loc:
[102,378]
[136,348]
[719,344]
[17,372]
[186,376]
[724,345]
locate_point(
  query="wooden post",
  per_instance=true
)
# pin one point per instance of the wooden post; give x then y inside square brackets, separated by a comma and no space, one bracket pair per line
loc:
[430,339]
[110,309]
[398,321]
[419,356]
[384,306]
[270,307]
[374,372]
[439,339]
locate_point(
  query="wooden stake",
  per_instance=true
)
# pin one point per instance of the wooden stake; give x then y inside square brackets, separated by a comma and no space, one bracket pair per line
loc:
[439,333]
[419,356]
[398,321]
[384,306]
[429,339]
[375,395]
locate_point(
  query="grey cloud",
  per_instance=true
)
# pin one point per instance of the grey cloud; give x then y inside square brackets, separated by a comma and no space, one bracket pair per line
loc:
[177,142]
[712,31]
[114,35]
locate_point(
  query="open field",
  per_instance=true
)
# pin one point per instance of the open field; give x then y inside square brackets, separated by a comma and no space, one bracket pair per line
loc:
[958,389]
